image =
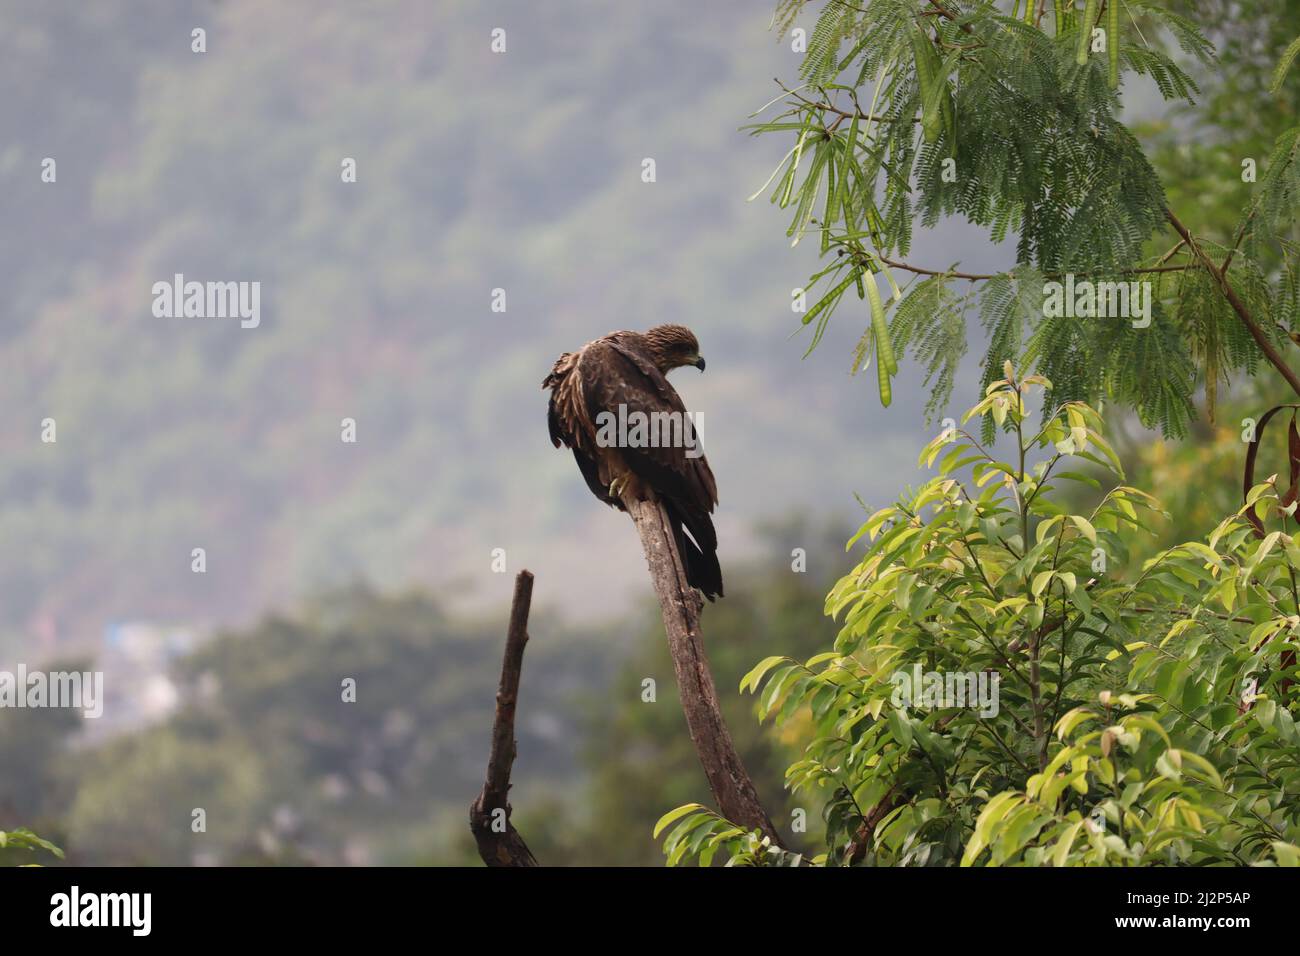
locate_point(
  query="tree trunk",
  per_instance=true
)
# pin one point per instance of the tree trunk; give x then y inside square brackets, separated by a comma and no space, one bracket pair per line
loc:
[499,843]
[731,785]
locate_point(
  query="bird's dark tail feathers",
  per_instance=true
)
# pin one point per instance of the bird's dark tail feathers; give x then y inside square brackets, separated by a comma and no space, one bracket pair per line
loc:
[699,549]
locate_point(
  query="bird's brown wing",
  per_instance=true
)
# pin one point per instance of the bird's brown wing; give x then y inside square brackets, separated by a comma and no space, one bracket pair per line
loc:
[683,483]
[598,378]
[614,372]
[569,424]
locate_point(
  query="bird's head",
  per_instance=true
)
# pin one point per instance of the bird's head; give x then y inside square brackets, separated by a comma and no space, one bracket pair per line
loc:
[672,346]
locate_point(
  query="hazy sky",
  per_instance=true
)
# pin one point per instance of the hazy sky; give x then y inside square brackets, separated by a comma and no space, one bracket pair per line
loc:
[476,171]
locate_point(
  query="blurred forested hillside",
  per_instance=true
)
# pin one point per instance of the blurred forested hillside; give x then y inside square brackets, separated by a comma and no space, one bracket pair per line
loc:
[285,771]
[476,171]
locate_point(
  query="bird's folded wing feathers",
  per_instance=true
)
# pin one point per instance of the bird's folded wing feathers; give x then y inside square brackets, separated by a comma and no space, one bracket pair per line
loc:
[613,374]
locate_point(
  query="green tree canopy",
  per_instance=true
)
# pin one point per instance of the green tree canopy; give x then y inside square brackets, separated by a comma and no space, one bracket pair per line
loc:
[1008,115]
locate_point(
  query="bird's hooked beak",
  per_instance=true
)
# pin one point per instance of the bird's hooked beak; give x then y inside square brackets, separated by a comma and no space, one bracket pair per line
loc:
[699,362]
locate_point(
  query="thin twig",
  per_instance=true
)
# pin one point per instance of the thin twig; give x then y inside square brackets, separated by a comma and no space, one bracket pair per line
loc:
[1238,306]
[499,843]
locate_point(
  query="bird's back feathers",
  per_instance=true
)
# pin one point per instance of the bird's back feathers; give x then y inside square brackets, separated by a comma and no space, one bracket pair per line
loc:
[617,370]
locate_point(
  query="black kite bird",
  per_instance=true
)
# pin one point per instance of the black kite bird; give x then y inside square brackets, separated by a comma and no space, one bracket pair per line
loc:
[629,369]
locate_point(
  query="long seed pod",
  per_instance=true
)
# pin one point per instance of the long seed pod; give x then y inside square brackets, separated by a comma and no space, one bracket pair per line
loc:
[832,193]
[850,149]
[947,108]
[889,277]
[882,328]
[949,114]
[1085,31]
[882,378]
[1112,41]
[886,364]
[931,118]
[941,95]
[1029,12]
[1059,16]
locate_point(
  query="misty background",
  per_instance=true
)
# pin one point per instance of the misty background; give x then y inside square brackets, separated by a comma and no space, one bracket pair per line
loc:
[475,171]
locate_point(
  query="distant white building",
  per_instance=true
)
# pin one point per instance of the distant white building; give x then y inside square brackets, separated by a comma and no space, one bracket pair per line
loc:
[136,659]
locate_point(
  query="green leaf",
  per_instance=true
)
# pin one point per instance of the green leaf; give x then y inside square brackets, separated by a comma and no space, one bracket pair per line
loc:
[1085,528]
[1041,580]
[751,680]
[1284,65]
[1061,853]
[901,728]
[667,819]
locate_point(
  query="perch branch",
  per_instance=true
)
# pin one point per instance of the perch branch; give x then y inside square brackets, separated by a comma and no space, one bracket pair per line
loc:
[732,787]
[1219,274]
[499,843]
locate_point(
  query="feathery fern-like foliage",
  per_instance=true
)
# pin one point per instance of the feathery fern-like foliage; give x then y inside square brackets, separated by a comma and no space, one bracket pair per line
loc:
[911,112]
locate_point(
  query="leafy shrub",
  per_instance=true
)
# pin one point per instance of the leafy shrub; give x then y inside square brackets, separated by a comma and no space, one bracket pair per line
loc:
[25,840]
[1138,714]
